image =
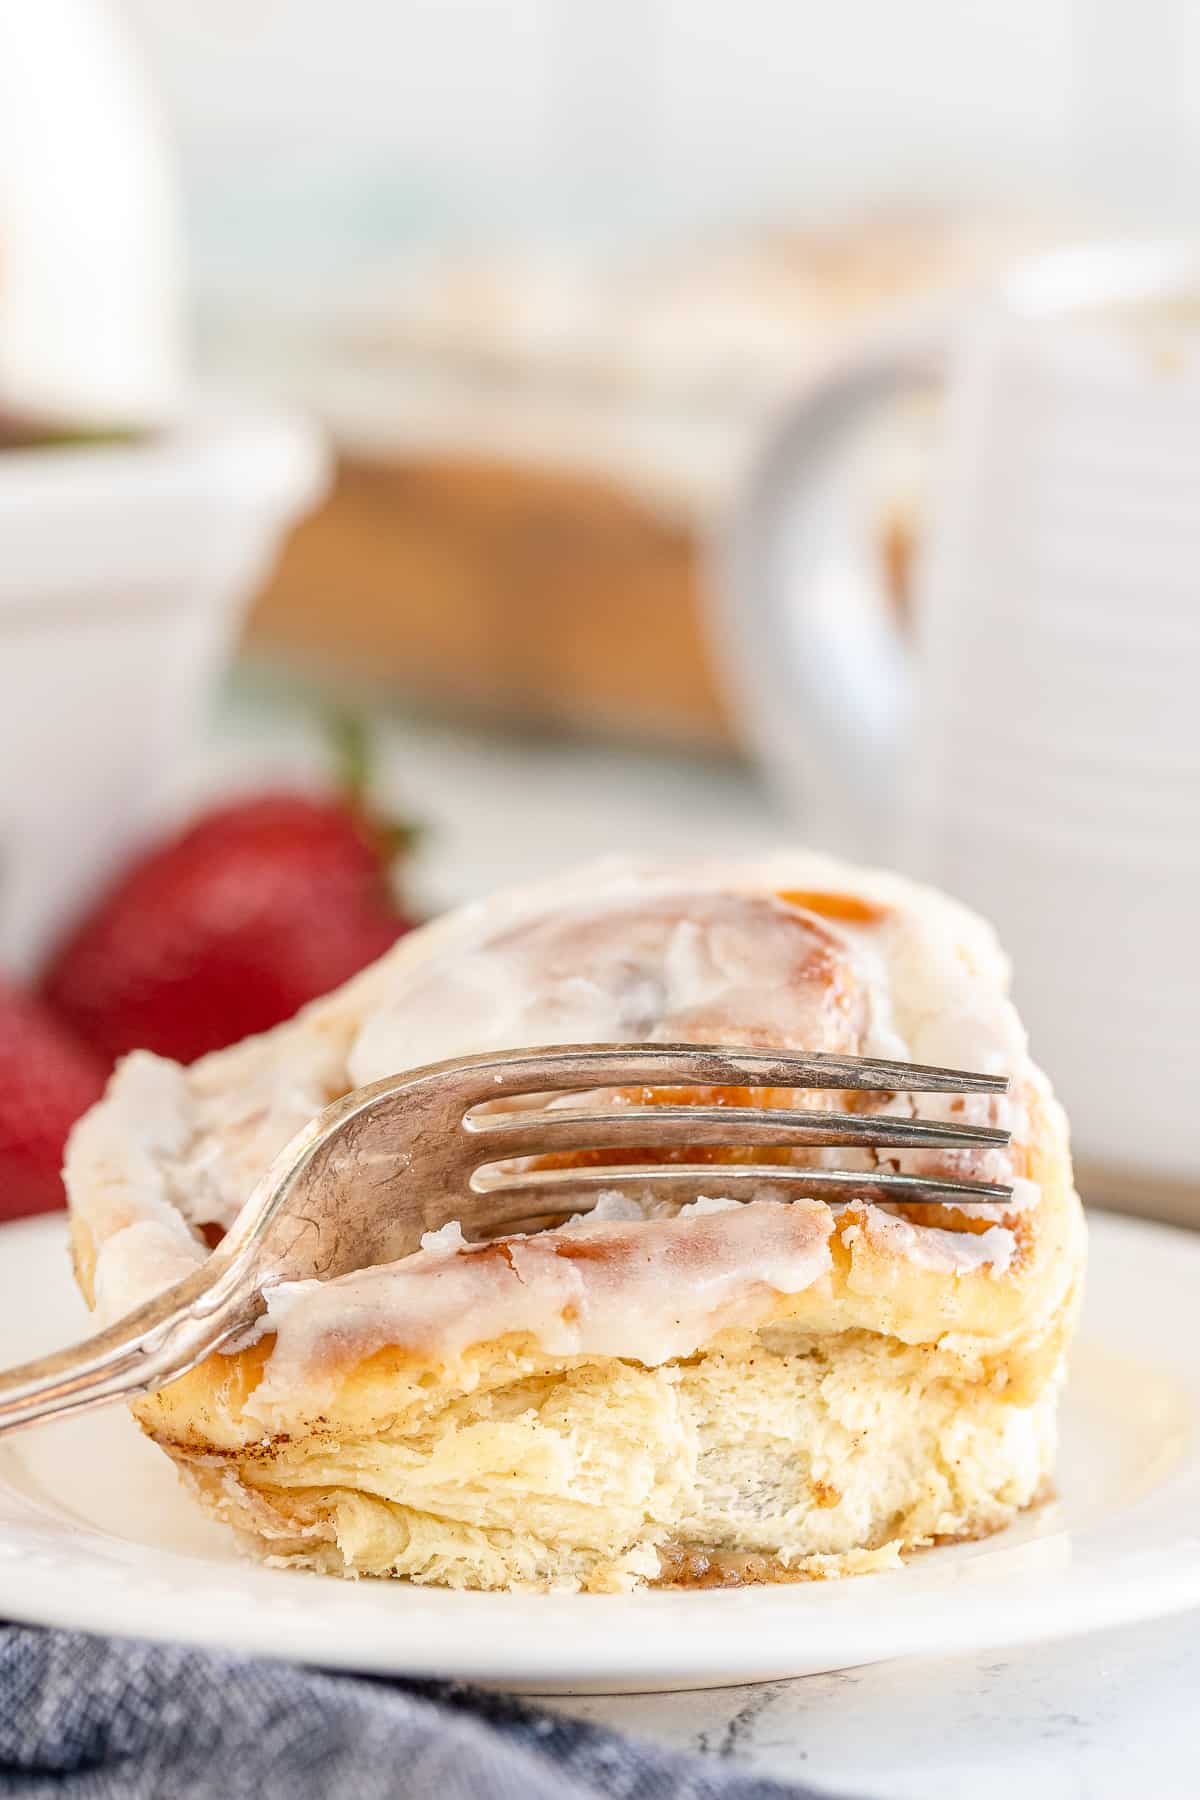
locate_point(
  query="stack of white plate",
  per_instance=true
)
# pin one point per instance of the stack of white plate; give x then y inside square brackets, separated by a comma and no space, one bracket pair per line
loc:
[124,570]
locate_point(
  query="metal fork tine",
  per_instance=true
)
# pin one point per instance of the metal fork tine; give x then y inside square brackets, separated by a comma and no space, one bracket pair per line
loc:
[538,1192]
[501,1075]
[503,1135]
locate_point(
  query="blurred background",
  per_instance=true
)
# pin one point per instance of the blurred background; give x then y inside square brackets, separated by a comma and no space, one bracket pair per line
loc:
[557,389]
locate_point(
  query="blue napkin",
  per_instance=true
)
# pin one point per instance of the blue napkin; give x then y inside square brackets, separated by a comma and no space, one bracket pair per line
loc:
[118,1719]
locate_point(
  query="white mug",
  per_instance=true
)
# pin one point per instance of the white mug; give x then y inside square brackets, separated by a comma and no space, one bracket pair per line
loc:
[1034,744]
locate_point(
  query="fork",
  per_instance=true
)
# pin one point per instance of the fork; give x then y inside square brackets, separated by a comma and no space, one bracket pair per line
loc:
[369,1176]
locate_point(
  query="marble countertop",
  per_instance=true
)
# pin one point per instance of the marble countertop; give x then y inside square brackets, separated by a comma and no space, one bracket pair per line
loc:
[1098,1718]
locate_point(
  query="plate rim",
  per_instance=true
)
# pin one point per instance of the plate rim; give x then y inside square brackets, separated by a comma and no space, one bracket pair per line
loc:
[1114,1570]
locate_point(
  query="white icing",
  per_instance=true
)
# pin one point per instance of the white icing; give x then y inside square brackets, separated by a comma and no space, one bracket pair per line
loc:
[611,952]
[930,1247]
[653,1291]
[116,1169]
[447,1240]
[139,1262]
[659,967]
[248,1104]
[610,1205]
[1026,1195]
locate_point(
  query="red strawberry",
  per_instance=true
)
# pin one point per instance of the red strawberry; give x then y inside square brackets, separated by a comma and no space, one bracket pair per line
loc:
[227,929]
[47,1078]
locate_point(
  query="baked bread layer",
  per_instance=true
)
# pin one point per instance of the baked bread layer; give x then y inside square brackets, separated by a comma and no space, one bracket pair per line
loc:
[773,1457]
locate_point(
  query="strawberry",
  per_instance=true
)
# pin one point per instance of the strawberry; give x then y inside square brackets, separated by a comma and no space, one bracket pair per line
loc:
[47,1078]
[227,929]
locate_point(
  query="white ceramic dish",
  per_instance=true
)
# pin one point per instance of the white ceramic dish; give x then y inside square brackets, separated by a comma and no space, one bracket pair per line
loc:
[95,1532]
[124,573]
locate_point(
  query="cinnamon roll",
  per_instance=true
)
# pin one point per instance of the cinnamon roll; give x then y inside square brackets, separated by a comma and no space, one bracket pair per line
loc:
[714,1391]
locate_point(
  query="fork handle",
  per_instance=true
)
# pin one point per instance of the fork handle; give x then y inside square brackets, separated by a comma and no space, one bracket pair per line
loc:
[159,1340]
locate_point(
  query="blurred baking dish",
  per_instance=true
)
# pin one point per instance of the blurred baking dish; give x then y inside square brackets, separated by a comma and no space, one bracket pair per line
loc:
[533,452]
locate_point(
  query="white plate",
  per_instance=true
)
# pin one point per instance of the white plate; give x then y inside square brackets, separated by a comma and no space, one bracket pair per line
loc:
[96,1533]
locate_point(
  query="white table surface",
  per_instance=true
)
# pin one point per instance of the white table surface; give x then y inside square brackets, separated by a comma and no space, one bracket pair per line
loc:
[1104,1718]
[498,808]
[1110,1717]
